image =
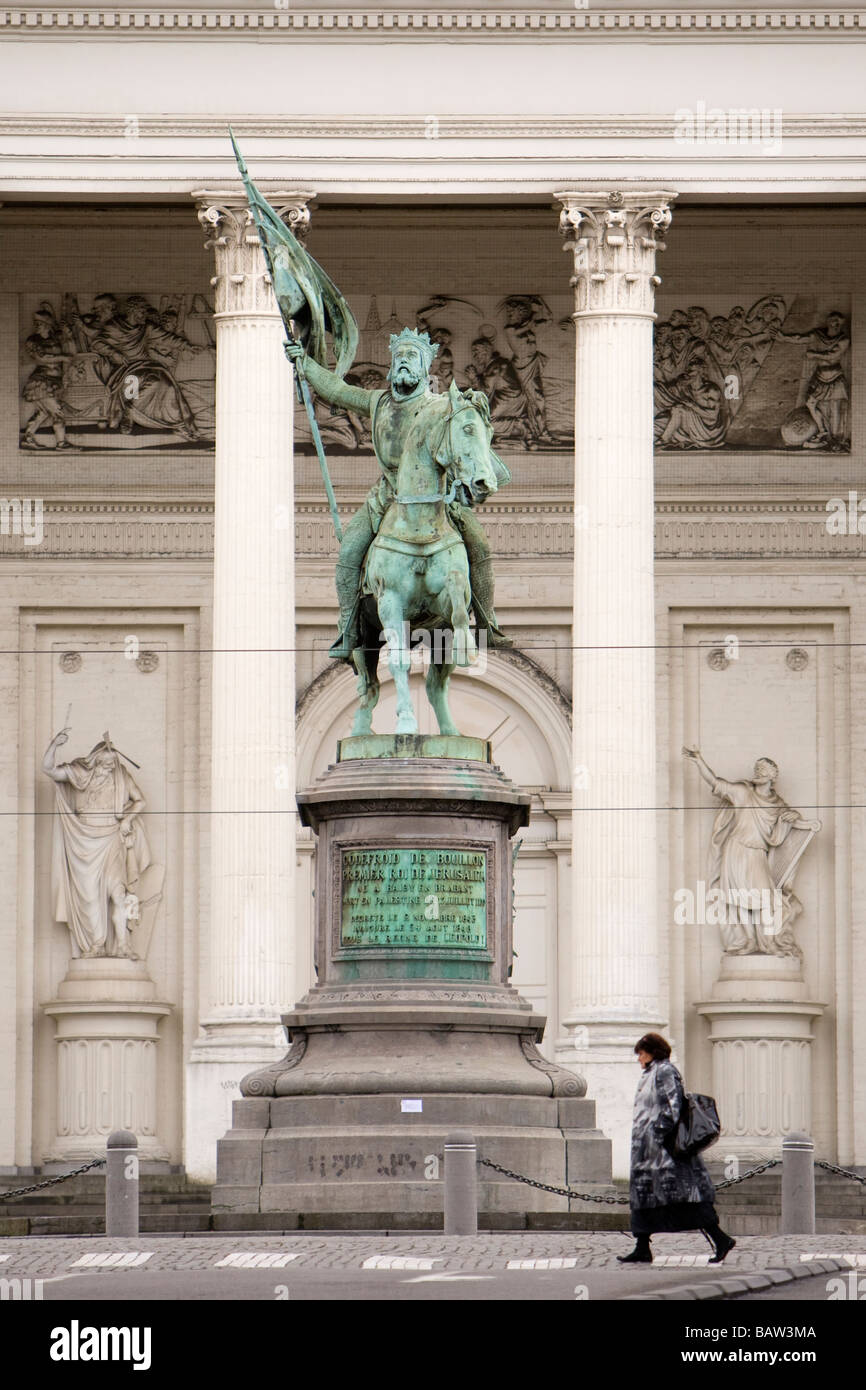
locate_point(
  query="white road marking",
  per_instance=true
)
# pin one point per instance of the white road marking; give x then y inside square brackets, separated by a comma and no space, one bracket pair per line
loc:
[445,1278]
[399,1262]
[252,1259]
[554,1263]
[123,1259]
[679,1261]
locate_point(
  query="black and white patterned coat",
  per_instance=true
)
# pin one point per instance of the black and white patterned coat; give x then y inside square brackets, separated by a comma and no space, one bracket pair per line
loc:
[658,1179]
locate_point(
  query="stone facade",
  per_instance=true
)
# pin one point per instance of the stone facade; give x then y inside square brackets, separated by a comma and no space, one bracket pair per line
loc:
[759,608]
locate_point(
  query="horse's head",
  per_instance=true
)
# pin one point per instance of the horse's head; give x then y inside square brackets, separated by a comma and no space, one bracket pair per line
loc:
[463,448]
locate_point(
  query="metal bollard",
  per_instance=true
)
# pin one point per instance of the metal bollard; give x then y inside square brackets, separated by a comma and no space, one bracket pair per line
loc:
[121,1184]
[798,1185]
[461,1191]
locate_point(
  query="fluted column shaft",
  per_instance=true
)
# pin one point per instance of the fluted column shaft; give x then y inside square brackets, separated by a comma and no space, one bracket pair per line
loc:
[614,987]
[249,953]
[252,817]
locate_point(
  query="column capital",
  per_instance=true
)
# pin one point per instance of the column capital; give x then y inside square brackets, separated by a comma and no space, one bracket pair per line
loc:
[614,237]
[242,283]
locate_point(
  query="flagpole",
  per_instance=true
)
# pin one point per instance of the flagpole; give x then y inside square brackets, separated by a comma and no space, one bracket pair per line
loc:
[291,340]
[317,440]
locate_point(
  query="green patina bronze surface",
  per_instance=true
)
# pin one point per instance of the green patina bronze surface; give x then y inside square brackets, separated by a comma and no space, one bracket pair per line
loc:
[413,746]
[429,898]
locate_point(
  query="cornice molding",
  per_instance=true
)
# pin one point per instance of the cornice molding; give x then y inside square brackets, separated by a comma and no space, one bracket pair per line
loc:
[408,24]
[687,528]
[638,126]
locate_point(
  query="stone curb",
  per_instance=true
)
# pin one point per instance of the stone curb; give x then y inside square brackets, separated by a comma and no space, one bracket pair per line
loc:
[745,1283]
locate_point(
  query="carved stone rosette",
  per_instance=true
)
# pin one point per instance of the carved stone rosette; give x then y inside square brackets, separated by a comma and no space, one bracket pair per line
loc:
[614,238]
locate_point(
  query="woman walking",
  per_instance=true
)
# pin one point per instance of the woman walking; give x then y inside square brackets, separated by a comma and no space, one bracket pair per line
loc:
[667,1193]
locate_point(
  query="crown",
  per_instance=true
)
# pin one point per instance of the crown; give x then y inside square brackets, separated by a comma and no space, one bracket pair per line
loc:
[421,341]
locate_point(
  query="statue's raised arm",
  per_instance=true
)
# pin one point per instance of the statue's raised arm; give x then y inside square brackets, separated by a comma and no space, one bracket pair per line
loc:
[327,384]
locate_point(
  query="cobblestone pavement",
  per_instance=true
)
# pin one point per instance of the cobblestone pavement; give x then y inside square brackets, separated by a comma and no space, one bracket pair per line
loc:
[46,1256]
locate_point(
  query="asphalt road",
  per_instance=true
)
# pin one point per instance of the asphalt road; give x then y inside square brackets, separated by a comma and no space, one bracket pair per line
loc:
[359,1285]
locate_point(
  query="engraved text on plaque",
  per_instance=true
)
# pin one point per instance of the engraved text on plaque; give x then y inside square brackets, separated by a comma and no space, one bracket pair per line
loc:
[414,897]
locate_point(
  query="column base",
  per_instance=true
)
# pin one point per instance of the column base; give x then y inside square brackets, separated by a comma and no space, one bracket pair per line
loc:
[106,1029]
[219,1059]
[603,1052]
[761,1031]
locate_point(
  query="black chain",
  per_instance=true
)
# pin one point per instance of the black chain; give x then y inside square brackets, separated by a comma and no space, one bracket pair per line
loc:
[831,1168]
[762,1168]
[624,1201]
[558,1191]
[52,1182]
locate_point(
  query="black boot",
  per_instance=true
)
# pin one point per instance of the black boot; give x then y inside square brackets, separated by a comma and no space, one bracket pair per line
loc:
[723,1243]
[641,1255]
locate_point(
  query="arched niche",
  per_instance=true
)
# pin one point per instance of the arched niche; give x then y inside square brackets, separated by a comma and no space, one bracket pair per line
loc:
[511,702]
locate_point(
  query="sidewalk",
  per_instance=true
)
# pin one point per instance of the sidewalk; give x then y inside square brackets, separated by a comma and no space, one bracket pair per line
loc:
[44,1257]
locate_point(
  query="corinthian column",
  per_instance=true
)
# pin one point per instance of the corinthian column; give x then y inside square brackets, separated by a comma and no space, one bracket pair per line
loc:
[248,952]
[614,984]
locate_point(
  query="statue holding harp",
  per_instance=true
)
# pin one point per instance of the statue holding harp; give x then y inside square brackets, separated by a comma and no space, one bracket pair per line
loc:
[756,845]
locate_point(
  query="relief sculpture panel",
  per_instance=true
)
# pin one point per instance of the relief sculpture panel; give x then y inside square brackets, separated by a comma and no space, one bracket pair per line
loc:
[518,350]
[121,372]
[114,371]
[775,375]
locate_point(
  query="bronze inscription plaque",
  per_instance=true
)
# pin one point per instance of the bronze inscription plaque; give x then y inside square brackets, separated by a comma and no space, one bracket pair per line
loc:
[432,898]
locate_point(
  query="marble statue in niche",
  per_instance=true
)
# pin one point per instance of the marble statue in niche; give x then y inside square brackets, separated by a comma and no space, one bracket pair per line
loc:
[104,884]
[517,350]
[773,376]
[129,372]
[756,844]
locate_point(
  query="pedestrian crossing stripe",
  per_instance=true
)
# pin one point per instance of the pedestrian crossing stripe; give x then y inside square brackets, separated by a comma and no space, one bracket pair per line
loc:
[553,1263]
[121,1259]
[399,1262]
[255,1259]
[680,1260]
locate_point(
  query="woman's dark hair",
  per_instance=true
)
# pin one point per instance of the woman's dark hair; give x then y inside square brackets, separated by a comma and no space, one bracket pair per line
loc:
[657,1046]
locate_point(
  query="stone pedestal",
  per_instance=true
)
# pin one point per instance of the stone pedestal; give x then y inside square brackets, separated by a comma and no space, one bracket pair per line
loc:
[413,1028]
[761,1024]
[107,1019]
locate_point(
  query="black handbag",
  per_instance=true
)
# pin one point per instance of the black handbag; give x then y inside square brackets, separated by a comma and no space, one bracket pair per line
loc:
[698,1127]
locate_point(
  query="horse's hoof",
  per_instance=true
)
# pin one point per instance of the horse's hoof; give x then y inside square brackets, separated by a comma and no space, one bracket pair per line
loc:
[406,725]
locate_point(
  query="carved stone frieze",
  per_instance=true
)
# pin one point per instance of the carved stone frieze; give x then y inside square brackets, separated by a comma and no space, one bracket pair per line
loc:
[614,237]
[710,529]
[502,22]
[773,375]
[115,371]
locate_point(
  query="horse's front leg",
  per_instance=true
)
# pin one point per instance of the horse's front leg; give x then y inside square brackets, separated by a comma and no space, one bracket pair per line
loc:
[391,617]
[438,678]
[457,593]
[366,664]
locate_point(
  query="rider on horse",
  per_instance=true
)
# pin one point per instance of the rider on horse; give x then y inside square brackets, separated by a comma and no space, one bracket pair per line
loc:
[402,417]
